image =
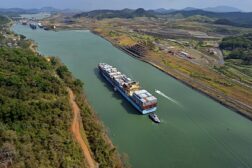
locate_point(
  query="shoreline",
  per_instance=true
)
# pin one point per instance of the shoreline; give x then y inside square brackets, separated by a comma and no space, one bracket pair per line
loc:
[228,104]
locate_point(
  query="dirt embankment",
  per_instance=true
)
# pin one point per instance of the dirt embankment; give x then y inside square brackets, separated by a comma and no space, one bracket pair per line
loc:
[33,46]
[75,128]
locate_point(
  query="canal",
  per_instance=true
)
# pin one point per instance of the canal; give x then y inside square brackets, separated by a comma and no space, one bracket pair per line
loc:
[195,131]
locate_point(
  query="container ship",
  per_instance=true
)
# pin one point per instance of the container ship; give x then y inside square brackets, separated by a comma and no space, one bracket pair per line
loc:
[141,99]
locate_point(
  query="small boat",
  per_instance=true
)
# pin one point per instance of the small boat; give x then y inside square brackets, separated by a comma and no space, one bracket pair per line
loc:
[46,28]
[40,25]
[24,22]
[154,117]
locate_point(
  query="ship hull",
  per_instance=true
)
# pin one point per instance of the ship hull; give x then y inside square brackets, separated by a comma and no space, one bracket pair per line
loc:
[127,97]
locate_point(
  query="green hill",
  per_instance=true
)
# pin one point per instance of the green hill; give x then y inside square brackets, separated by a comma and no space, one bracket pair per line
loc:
[238,47]
[200,18]
[241,19]
[125,13]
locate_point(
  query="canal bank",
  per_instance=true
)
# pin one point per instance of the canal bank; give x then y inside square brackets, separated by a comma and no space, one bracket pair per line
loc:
[195,132]
[231,103]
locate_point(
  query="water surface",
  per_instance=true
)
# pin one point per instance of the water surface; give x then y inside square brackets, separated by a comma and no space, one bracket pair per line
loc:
[196,132]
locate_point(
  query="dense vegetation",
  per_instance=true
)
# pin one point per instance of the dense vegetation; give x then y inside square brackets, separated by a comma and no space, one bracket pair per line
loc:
[3,20]
[125,13]
[34,112]
[238,47]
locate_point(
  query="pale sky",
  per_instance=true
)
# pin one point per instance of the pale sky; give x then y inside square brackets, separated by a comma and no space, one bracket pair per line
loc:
[245,5]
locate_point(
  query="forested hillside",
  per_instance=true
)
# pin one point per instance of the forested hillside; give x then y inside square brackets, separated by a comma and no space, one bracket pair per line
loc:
[238,47]
[242,19]
[34,113]
[3,20]
[125,13]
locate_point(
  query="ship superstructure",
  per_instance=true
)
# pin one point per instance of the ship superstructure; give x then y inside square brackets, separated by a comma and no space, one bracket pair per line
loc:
[141,99]
[40,25]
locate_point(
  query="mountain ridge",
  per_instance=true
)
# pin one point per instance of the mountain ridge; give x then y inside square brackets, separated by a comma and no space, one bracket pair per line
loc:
[216,9]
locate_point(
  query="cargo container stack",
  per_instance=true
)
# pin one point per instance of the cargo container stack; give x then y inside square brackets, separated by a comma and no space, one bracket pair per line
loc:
[141,99]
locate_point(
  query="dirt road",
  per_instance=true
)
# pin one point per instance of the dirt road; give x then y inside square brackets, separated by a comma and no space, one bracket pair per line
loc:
[75,128]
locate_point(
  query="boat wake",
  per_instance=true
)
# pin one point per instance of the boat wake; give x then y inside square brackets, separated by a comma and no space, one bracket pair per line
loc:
[82,31]
[167,97]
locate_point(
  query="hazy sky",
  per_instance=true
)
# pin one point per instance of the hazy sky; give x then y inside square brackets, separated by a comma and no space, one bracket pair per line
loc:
[245,5]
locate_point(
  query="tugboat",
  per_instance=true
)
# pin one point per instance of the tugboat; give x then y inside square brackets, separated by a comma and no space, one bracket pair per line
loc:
[23,22]
[154,117]
[46,28]
[40,25]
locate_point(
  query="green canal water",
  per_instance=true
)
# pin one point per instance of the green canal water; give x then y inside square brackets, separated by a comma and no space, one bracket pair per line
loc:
[196,132]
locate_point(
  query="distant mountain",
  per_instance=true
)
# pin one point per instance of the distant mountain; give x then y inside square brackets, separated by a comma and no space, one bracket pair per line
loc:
[125,13]
[241,19]
[12,12]
[221,9]
[217,9]
[48,9]
[17,11]
[189,9]
[26,11]
[162,10]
